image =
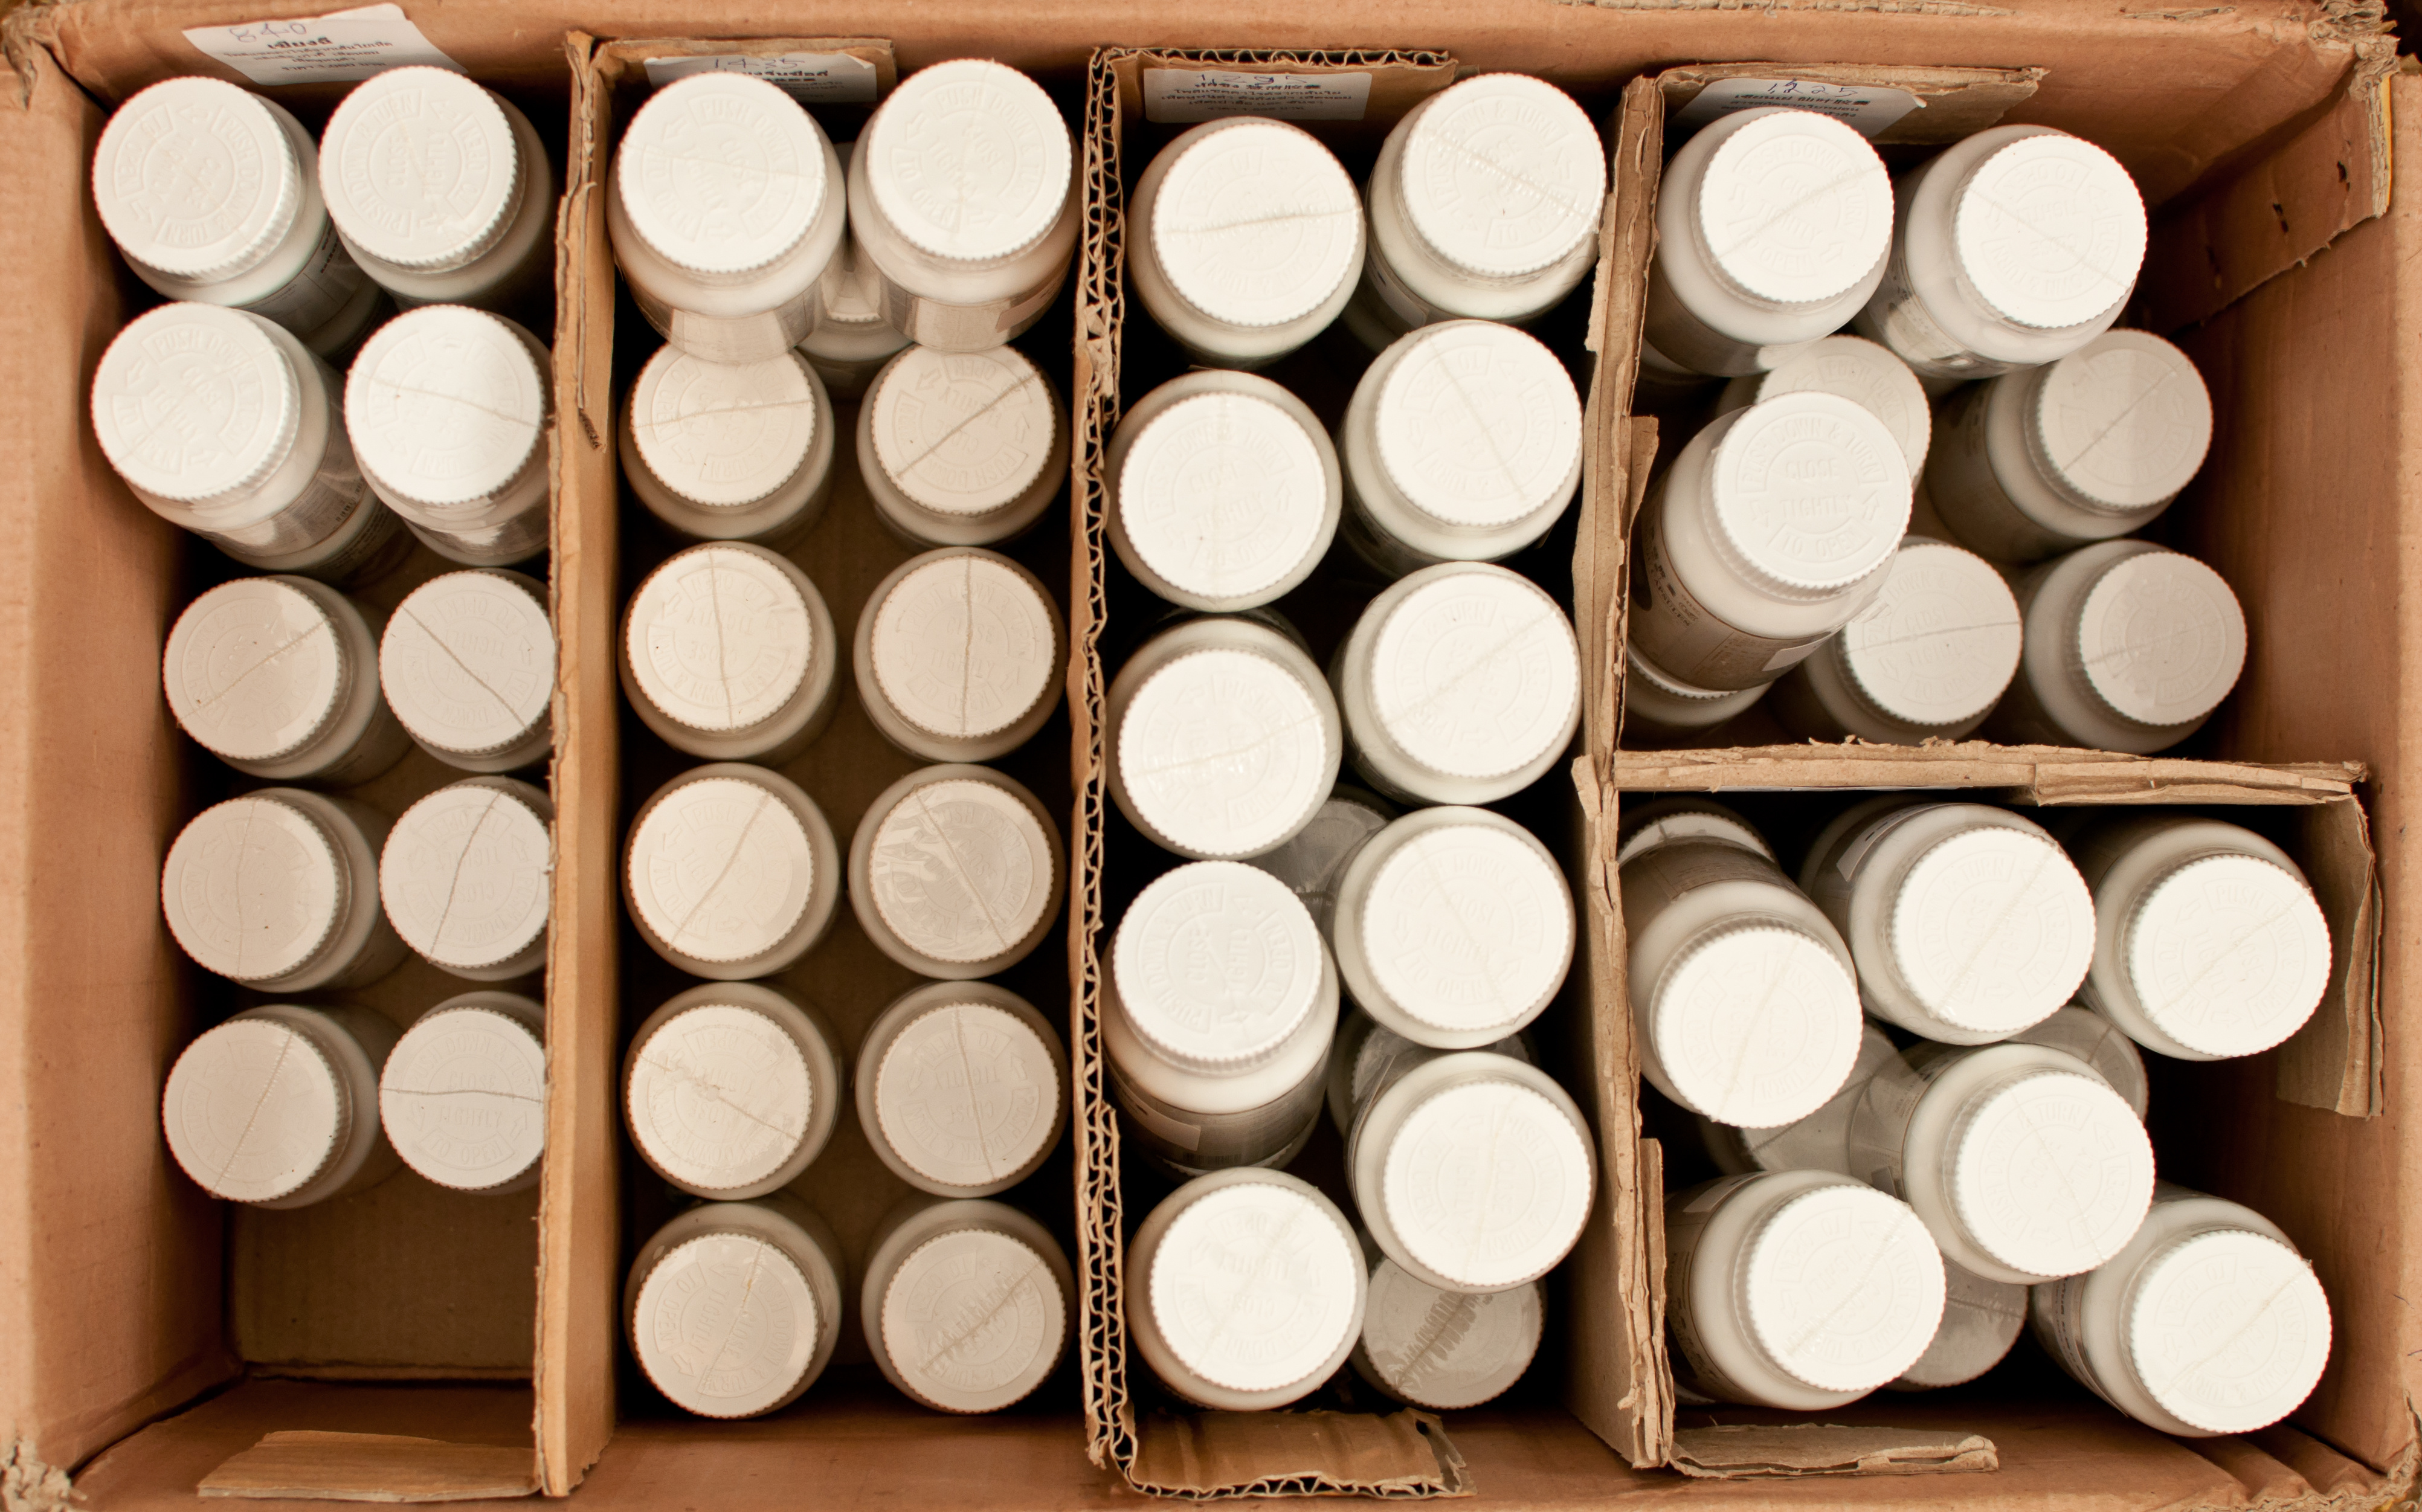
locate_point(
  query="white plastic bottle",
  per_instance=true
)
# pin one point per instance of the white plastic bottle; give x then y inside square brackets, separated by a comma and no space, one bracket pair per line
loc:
[2129,646]
[1772,228]
[1365,1053]
[959,656]
[2211,943]
[1246,1290]
[1223,738]
[732,1309]
[1461,684]
[962,1088]
[272,675]
[724,203]
[462,1097]
[1968,922]
[2091,445]
[1796,1289]
[955,872]
[1819,1141]
[276,1107]
[1852,367]
[1928,660]
[280,890]
[1220,1008]
[1314,862]
[1445,1350]
[2208,1323]
[965,1303]
[1462,442]
[2099,1043]
[1770,531]
[961,449]
[248,231]
[1981,1319]
[448,408]
[2024,1163]
[1745,998]
[729,451]
[441,191]
[962,195]
[729,652]
[1663,710]
[1222,492]
[1472,1171]
[1245,238]
[850,340]
[1454,928]
[467,664]
[731,1089]
[1485,204]
[466,877]
[223,423]
[1644,826]
[730,872]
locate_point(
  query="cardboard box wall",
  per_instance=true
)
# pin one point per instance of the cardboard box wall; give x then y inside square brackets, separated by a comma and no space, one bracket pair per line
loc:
[109,1322]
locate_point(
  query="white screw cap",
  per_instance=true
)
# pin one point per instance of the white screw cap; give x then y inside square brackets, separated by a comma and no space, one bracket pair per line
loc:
[2228,1331]
[1226,751]
[420,168]
[467,662]
[253,1111]
[967,1096]
[1228,498]
[1465,928]
[720,638]
[1503,176]
[1843,1287]
[1257,223]
[1940,642]
[446,406]
[253,888]
[2122,423]
[2161,637]
[1794,208]
[721,1097]
[1811,492]
[964,645]
[962,870]
[196,177]
[968,160]
[963,435]
[466,875]
[2230,954]
[725,1324]
[1217,965]
[2050,231]
[2051,1173]
[463,1095]
[1475,673]
[722,435]
[1256,1285]
[722,173]
[1757,1024]
[973,1320]
[192,401]
[1478,425]
[1993,928]
[1487,1182]
[254,670]
[724,869]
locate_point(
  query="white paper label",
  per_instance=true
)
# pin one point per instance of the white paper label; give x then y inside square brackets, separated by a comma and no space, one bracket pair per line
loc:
[811,78]
[1867,111]
[1180,96]
[340,47]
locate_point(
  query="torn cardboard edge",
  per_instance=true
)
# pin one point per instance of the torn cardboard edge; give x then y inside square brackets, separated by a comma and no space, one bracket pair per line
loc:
[370,1466]
[1778,1451]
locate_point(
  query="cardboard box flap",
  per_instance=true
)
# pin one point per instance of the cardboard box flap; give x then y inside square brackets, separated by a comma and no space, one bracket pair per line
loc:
[370,1466]
[874,53]
[2035,774]
[2335,1061]
[1770,1451]
[1202,83]
[1218,1455]
[1933,106]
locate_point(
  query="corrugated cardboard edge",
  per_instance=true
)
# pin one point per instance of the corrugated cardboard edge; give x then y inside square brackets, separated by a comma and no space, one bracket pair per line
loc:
[1396,1457]
[875,50]
[2035,774]
[1774,1451]
[370,1466]
[1951,103]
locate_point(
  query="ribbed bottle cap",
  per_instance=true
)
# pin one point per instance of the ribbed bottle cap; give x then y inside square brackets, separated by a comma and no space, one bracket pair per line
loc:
[1665,821]
[720,638]
[2229,954]
[464,1098]
[1255,1285]
[725,1324]
[420,168]
[2161,638]
[1478,425]
[196,179]
[1981,1319]
[1870,376]
[2050,231]
[1314,862]
[719,1097]
[1503,176]
[1993,928]
[2100,1043]
[721,868]
[1756,1023]
[967,1093]
[1448,1350]
[1795,208]
[446,405]
[467,662]
[253,888]
[962,870]
[1487,1182]
[973,1320]
[2228,1330]
[253,1111]
[722,435]
[2049,1172]
[1843,1287]
[1468,927]
[1225,751]
[254,670]
[1811,494]
[962,645]
[465,875]
[968,160]
[1257,223]
[1224,495]
[2122,423]
[722,173]
[1940,642]
[193,402]
[1217,966]
[1476,674]
[963,434]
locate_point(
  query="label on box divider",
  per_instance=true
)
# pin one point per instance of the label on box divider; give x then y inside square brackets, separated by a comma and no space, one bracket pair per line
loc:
[1182,96]
[1864,110]
[811,78]
[337,48]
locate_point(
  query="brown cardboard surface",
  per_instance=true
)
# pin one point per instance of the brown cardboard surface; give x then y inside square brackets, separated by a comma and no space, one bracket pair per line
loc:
[370,1467]
[1753,1451]
[1952,103]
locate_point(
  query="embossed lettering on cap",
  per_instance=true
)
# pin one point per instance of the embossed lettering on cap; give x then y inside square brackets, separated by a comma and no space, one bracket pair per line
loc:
[1478,425]
[252,889]
[2228,954]
[253,1111]
[418,168]
[961,870]
[721,868]
[1504,175]
[1257,224]
[965,1094]
[1993,928]
[968,160]
[2161,638]
[445,405]
[1444,1349]
[1222,494]
[961,646]
[1223,751]
[1253,1286]
[195,178]
[254,670]
[2051,1172]
[1488,1183]
[722,433]
[963,432]
[973,1319]
[468,662]
[2124,421]
[724,1324]
[1757,1025]
[720,1097]
[720,638]
[1795,208]
[1468,928]
[1476,674]
[1217,964]
[1843,1287]
[722,173]
[464,876]
[462,1097]
[1940,642]
[192,400]
[2050,231]
[1811,492]
[2228,1331]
